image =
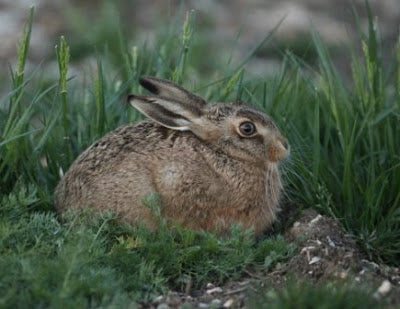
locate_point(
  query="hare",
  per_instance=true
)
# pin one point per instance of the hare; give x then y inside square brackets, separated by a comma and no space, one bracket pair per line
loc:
[211,164]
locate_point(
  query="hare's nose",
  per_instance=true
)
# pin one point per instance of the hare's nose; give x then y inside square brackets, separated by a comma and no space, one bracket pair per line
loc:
[278,149]
[285,143]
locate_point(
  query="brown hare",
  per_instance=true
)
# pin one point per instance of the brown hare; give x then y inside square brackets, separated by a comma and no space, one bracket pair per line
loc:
[211,164]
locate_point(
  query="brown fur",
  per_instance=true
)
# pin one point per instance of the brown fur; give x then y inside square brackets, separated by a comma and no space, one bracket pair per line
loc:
[206,174]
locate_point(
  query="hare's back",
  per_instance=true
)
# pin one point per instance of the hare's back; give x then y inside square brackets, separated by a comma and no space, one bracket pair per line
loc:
[140,139]
[113,168]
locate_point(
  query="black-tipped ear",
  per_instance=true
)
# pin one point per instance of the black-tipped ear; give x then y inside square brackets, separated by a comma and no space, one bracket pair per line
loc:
[168,89]
[171,114]
[145,82]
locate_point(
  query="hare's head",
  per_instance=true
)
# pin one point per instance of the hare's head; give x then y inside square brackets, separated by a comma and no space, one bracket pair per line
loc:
[232,128]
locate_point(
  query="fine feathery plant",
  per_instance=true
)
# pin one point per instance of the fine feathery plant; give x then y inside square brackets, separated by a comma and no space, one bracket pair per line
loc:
[14,127]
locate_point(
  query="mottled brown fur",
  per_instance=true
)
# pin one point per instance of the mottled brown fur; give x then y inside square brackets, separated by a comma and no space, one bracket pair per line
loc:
[207,176]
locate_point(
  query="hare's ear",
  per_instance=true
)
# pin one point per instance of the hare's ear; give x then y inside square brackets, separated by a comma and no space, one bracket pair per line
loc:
[168,89]
[171,114]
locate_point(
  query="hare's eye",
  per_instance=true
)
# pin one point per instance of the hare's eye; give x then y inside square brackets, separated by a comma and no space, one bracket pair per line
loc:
[247,128]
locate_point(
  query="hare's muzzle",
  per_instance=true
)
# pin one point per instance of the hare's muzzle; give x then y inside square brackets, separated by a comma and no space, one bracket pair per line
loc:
[278,149]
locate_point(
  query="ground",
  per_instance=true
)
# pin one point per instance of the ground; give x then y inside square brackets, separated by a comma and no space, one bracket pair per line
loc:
[325,253]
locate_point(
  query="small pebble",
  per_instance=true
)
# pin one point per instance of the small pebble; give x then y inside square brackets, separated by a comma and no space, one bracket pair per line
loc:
[214,291]
[210,285]
[384,288]
[307,249]
[314,260]
[228,303]
[316,219]
[158,299]
[163,306]
[343,274]
[202,305]
[330,242]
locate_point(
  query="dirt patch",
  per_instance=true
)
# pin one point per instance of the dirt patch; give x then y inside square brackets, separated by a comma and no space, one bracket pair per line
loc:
[325,253]
[324,250]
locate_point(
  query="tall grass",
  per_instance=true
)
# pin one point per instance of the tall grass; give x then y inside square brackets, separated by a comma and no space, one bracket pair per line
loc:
[353,163]
[344,132]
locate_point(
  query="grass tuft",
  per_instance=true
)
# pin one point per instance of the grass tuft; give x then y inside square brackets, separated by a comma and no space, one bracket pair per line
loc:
[304,295]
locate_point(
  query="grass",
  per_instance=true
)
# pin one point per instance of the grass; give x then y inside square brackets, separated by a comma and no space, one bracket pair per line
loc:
[91,260]
[308,296]
[345,162]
